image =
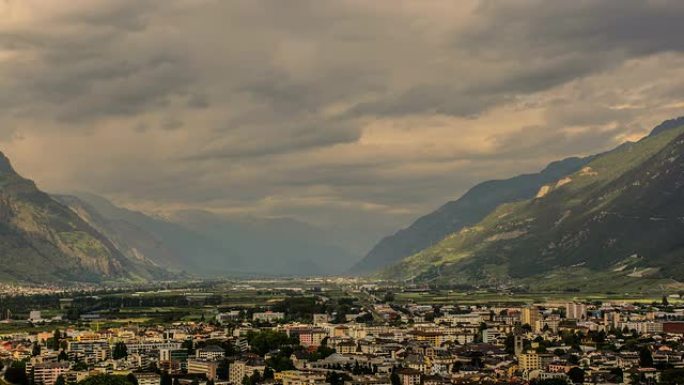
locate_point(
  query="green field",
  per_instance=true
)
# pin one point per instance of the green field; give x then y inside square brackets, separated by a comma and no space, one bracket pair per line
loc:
[446,297]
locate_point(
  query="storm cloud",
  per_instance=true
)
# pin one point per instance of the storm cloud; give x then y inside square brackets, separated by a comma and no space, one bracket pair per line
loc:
[354,115]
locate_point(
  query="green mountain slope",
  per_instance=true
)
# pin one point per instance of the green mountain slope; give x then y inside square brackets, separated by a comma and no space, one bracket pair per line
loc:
[621,216]
[41,240]
[471,208]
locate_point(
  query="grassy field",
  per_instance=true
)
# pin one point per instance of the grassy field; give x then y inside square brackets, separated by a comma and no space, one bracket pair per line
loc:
[446,297]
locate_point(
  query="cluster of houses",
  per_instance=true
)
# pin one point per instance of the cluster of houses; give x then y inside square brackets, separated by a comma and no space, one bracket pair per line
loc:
[410,345]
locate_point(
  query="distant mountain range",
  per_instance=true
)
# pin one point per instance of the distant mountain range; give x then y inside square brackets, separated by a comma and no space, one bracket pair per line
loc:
[42,240]
[613,219]
[616,218]
[207,244]
[85,238]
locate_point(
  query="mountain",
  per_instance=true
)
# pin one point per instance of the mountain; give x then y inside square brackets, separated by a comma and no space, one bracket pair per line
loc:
[618,220]
[42,240]
[272,245]
[472,207]
[157,239]
[208,244]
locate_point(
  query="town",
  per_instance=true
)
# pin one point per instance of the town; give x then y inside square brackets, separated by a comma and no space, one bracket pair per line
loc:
[351,335]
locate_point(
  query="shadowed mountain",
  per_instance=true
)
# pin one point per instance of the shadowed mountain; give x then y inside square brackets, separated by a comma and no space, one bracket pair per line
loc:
[42,240]
[209,244]
[166,243]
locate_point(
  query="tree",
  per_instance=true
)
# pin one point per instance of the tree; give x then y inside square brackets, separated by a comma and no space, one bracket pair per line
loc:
[79,366]
[120,351]
[665,301]
[255,378]
[266,340]
[268,373]
[61,381]
[56,338]
[672,376]
[36,349]
[62,356]
[509,343]
[619,375]
[645,357]
[394,378]
[165,379]
[337,378]
[576,375]
[187,345]
[131,378]
[16,373]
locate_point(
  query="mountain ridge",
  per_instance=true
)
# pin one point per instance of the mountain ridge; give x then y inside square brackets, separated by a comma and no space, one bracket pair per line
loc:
[42,240]
[621,216]
[471,207]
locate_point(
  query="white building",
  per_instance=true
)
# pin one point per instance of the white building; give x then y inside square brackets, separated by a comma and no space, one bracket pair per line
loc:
[35,316]
[269,316]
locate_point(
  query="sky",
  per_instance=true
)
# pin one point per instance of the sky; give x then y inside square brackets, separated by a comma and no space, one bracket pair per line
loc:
[357,116]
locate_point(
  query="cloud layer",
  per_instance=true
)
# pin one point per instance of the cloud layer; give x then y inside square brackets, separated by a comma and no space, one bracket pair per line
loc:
[356,115]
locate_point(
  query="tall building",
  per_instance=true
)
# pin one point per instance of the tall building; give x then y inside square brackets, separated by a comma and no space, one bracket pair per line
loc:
[577,311]
[518,344]
[236,372]
[531,316]
[534,361]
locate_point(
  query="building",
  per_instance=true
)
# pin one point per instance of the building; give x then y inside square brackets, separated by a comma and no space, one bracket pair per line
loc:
[35,316]
[518,344]
[211,352]
[237,371]
[529,316]
[148,378]
[320,319]
[369,380]
[268,316]
[534,361]
[150,347]
[312,337]
[576,311]
[46,373]
[173,355]
[233,315]
[208,368]
[490,336]
[408,376]
[296,377]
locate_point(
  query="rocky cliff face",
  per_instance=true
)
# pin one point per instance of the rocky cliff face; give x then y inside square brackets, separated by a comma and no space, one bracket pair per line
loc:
[42,240]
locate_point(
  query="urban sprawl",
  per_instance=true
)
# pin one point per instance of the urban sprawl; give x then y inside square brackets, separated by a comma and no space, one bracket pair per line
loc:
[371,341]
